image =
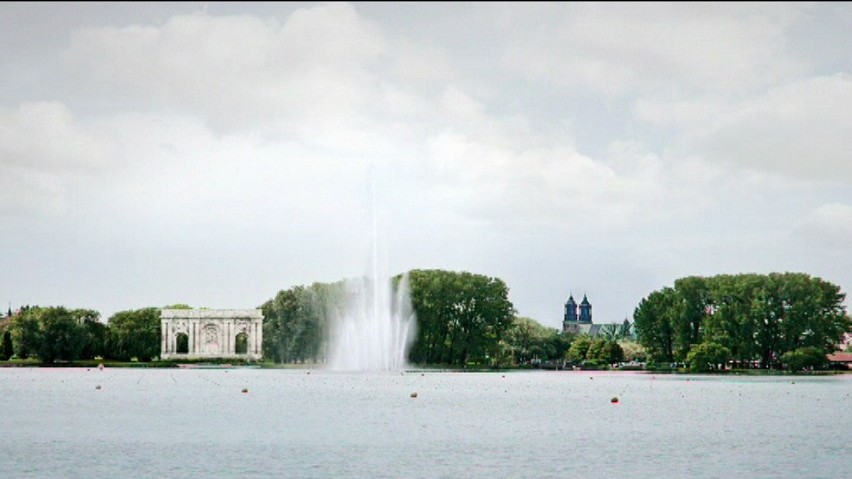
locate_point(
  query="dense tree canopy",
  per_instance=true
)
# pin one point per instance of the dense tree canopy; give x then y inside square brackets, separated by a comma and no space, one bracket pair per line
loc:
[756,318]
[461,317]
[61,336]
[296,322]
[55,333]
[135,334]
[7,350]
[25,334]
[527,340]
[654,318]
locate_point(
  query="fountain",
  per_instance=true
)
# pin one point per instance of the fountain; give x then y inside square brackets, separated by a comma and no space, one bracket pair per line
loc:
[376,326]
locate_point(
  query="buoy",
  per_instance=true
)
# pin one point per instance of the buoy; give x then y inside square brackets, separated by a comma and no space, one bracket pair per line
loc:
[414,395]
[101,366]
[614,400]
[245,391]
[98,386]
[504,375]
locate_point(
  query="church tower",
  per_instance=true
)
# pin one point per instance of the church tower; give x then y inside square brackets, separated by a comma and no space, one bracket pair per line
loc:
[569,322]
[570,310]
[585,311]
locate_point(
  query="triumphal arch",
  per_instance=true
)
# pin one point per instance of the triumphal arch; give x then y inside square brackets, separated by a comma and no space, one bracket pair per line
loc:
[211,333]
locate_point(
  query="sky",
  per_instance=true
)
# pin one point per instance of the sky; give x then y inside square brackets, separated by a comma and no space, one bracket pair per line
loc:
[215,154]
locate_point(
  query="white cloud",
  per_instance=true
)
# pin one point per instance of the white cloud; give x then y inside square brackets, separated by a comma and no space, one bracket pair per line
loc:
[43,147]
[622,48]
[829,225]
[307,75]
[552,186]
[800,129]
[47,136]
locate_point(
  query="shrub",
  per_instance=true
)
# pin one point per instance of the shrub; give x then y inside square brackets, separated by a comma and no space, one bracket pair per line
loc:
[804,358]
[707,356]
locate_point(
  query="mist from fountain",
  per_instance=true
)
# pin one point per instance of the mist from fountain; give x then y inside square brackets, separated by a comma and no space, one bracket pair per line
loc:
[376,326]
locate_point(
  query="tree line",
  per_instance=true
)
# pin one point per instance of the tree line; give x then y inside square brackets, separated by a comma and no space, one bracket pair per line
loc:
[463,319]
[778,320]
[58,333]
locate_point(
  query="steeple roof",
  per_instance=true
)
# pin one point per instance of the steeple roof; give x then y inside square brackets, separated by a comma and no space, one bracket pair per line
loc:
[585,300]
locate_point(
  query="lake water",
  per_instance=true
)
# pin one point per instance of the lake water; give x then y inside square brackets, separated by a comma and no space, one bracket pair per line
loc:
[176,423]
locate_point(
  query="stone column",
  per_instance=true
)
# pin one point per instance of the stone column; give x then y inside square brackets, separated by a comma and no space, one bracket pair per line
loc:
[229,343]
[256,337]
[191,335]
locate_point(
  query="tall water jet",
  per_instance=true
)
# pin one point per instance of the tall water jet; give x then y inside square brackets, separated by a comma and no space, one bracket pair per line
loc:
[376,326]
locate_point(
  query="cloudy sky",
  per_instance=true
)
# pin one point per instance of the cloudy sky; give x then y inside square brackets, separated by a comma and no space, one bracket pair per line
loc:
[214,154]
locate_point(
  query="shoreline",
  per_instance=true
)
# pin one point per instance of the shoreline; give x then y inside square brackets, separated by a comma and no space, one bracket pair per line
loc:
[87,364]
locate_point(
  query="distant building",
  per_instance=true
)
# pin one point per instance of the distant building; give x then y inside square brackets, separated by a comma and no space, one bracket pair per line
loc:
[215,333]
[578,318]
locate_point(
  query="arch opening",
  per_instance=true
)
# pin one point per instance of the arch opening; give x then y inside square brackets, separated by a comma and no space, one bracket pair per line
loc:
[241,344]
[182,343]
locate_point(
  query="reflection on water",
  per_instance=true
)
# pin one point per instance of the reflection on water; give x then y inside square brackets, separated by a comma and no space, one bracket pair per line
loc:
[296,423]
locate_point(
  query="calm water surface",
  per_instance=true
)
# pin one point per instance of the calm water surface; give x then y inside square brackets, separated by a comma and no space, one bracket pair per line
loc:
[174,423]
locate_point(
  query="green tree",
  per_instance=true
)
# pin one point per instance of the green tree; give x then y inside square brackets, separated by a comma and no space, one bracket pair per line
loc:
[692,301]
[296,322]
[529,339]
[653,320]
[633,351]
[94,331]
[433,298]
[579,349]
[732,322]
[804,358]
[708,356]
[605,351]
[758,318]
[7,350]
[25,334]
[62,338]
[625,331]
[278,314]
[561,342]
[135,334]
[461,317]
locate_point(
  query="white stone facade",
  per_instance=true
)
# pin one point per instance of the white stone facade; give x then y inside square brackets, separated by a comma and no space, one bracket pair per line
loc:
[211,333]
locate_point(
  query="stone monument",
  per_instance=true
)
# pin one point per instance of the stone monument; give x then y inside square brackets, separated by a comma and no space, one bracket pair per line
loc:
[211,334]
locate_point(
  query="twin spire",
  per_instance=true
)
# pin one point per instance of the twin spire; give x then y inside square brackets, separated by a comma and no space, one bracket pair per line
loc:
[581,313]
